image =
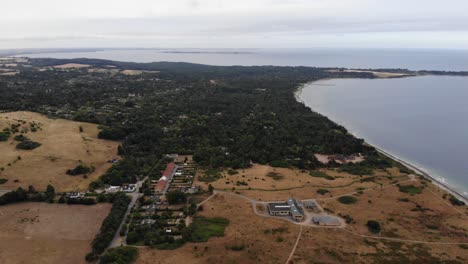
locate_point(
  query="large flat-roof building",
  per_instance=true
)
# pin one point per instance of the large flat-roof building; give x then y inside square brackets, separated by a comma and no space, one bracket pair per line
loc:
[288,208]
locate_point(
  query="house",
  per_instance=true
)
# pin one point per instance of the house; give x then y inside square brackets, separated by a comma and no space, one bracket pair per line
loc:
[148,221]
[75,195]
[113,189]
[129,188]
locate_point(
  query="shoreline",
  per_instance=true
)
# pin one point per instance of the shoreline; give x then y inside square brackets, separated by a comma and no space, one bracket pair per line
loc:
[444,186]
[440,184]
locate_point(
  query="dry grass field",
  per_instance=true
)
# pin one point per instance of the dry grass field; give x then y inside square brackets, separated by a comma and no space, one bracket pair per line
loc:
[63,147]
[264,240]
[425,217]
[48,233]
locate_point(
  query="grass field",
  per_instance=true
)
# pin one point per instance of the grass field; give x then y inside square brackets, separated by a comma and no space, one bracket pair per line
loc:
[48,233]
[63,147]
[203,228]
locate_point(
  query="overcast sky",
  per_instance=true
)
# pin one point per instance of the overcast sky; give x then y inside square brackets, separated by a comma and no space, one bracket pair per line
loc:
[234,23]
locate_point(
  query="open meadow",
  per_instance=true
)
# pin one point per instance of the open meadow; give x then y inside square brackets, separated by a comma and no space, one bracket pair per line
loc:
[48,233]
[64,145]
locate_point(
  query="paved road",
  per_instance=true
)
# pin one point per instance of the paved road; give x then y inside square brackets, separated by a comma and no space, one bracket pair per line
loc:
[120,240]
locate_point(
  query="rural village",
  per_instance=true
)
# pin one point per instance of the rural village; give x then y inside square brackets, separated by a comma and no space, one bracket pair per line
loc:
[66,182]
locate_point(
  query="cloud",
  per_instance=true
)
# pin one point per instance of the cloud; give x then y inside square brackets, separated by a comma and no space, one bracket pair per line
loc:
[31,23]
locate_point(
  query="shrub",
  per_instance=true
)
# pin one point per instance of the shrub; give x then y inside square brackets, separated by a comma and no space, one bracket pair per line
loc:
[119,255]
[80,169]
[411,189]
[2,180]
[347,200]
[279,163]
[319,174]
[4,135]
[322,191]
[275,176]
[28,145]
[239,247]
[20,138]
[453,200]
[373,226]
[357,169]
[176,197]
[232,172]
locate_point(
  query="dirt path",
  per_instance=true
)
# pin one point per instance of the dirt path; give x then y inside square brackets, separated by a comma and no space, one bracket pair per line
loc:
[295,246]
[405,240]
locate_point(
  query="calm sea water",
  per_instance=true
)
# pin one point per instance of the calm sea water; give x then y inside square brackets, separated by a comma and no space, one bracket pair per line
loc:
[423,120]
[318,57]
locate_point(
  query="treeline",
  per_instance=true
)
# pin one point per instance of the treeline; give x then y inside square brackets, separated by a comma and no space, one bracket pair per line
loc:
[109,226]
[31,195]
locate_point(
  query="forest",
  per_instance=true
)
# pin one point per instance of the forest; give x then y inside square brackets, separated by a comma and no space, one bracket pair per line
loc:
[224,116]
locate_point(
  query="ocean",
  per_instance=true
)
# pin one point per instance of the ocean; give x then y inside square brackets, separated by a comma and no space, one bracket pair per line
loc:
[423,120]
[454,60]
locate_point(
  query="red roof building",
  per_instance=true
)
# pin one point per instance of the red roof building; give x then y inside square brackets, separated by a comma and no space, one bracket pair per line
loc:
[169,169]
[161,185]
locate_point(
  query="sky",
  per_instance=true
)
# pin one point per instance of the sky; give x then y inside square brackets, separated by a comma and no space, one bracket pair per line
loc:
[234,24]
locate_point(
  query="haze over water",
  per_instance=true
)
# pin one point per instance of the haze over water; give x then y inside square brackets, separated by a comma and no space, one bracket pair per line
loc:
[423,120]
[425,59]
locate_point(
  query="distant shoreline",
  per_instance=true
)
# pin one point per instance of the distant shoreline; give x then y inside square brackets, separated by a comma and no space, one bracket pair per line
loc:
[434,180]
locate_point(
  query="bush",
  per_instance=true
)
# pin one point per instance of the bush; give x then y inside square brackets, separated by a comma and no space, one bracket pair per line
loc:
[176,197]
[132,237]
[322,191]
[91,257]
[28,145]
[239,247]
[84,201]
[2,180]
[119,255]
[453,200]
[80,169]
[320,174]
[373,226]
[20,138]
[4,136]
[411,189]
[232,172]
[275,175]
[357,169]
[19,195]
[347,200]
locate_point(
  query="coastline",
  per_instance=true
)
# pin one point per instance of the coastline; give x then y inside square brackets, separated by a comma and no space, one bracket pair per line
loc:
[435,181]
[440,184]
